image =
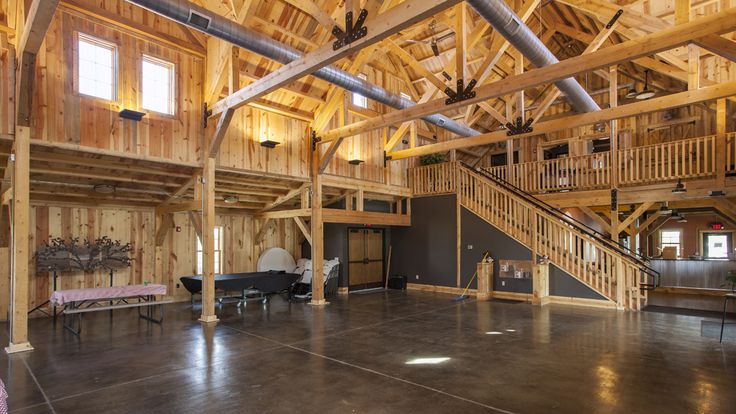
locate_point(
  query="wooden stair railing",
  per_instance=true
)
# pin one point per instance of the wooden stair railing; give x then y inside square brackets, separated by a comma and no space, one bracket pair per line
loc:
[593,261]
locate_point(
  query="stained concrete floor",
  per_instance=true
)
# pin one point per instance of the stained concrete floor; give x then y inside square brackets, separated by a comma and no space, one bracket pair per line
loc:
[351,356]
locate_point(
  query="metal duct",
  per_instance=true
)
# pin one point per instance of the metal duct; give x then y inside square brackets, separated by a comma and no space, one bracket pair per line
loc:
[213,24]
[510,26]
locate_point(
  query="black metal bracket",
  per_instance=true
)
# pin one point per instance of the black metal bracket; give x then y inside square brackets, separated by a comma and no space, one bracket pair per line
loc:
[315,140]
[462,93]
[520,127]
[386,159]
[351,32]
[614,200]
[614,18]
[206,113]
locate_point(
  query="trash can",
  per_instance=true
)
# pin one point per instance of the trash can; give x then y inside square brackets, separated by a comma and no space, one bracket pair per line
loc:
[397,282]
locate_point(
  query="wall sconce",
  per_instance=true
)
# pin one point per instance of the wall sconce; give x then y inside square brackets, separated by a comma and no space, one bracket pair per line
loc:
[131,114]
[266,136]
[268,143]
[355,162]
[230,199]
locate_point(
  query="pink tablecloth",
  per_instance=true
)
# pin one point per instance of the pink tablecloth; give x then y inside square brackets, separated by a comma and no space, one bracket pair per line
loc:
[61,297]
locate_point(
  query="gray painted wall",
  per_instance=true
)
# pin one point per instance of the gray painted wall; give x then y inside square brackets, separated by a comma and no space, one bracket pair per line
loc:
[427,248]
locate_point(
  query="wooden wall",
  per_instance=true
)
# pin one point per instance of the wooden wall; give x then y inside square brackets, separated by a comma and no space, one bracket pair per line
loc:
[138,228]
[64,116]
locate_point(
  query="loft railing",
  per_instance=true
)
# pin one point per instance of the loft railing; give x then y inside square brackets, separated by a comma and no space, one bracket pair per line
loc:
[683,159]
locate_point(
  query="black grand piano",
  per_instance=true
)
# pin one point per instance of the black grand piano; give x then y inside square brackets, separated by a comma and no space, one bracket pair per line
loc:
[243,286]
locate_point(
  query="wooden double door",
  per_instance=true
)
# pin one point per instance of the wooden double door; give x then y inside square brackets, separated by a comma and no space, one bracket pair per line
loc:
[365,258]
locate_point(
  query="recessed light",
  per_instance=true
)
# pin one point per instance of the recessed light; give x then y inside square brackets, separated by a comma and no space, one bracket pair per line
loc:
[104,188]
[231,199]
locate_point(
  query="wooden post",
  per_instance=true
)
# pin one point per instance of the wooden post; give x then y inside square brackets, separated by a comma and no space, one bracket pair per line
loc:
[458,242]
[540,284]
[20,244]
[485,280]
[613,126]
[620,282]
[721,147]
[318,253]
[208,242]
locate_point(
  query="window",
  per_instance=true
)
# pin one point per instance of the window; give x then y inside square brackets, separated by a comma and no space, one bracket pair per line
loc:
[96,66]
[218,252]
[406,96]
[716,245]
[358,99]
[157,85]
[670,238]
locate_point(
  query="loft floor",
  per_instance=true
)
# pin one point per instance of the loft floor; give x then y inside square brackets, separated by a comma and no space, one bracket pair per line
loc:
[351,357]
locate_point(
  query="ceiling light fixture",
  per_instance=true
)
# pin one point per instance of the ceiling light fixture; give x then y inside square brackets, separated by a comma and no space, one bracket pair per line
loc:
[631,94]
[679,187]
[646,93]
[104,188]
[231,199]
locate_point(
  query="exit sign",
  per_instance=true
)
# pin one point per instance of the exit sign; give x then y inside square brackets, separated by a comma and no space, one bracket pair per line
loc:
[716,226]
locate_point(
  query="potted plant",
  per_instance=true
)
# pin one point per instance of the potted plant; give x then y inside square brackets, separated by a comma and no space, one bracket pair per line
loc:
[430,159]
[731,280]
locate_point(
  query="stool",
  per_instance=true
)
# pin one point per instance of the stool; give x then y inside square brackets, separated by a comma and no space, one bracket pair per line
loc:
[729,296]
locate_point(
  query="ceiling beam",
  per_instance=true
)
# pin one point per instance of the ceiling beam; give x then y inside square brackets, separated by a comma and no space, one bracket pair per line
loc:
[663,40]
[632,109]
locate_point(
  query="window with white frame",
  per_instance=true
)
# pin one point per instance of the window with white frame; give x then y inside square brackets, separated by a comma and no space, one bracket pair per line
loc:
[358,99]
[157,85]
[96,67]
[670,238]
[218,252]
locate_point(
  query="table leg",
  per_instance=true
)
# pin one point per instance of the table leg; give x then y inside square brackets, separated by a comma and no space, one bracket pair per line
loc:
[723,318]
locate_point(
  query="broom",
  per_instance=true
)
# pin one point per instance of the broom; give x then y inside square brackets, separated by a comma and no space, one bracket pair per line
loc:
[464,296]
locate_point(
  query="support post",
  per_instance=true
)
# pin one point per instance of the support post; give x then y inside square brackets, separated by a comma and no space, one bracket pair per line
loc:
[721,147]
[540,284]
[318,253]
[485,280]
[620,282]
[20,243]
[208,242]
[613,126]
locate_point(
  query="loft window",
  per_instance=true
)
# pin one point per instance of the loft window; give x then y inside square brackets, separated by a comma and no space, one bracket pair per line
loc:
[157,85]
[96,67]
[716,245]
[670,238]
[358,99]
[218,252]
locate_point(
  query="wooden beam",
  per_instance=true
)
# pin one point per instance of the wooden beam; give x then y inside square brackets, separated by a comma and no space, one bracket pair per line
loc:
[317,225]
[635,215]
[193,205]
[719,45]
[313,10]
[662,40]
[605,225]
[368,186]
[38,19]
[381,27]
[303,227]
[20,247]
[657,104]
[221,129]
[165,222]
[299,212]
[461,40]
[286,197]
[646,223]
[264,229]
[208,242]
[335,215]
[196,219]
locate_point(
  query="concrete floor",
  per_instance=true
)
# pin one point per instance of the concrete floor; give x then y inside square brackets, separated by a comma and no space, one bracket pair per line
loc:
[352,355]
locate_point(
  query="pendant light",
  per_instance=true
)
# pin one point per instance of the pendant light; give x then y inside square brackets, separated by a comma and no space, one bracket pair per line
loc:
[646,93]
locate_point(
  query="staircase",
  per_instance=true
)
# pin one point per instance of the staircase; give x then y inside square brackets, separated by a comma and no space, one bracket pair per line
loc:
[594,260]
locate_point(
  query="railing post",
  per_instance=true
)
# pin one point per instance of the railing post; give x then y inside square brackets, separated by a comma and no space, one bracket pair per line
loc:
[621,286]
[720,144]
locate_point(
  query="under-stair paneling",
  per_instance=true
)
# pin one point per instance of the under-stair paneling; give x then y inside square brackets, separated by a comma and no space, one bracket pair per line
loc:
[62,115]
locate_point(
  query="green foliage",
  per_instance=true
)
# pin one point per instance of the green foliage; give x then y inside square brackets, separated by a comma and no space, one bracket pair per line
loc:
[430,159]
[731,280]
